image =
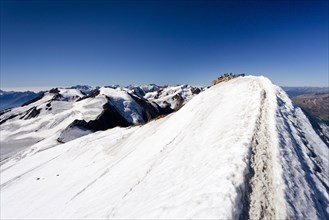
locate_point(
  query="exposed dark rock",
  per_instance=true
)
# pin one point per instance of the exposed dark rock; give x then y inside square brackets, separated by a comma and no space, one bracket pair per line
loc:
[109,118]
[48,106]
[54,91]
[57,97]
[179,101]
[150,111]
[138,92]
[166,111]
[159,92]
[31,113]
[10,117]
[195,91]
[4,111]
[92,94]
[34,100]
[226,77]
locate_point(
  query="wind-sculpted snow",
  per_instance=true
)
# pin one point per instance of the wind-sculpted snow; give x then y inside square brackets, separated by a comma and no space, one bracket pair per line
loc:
[237,150]
[305,163]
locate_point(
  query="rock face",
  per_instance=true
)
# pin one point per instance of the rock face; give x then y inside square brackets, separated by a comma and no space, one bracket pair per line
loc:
[151,110]
[31,113]
[109,118]
[62,115]
[171,96]
[67,114]
[226,77]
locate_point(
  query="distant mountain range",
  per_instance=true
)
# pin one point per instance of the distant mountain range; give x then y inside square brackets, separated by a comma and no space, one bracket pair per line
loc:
[237,150]
[14,99]
[10,99]
[296,91]
[69,113]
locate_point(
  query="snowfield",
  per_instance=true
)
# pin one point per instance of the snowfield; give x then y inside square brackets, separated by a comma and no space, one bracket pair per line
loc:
[60,115]
[239,149]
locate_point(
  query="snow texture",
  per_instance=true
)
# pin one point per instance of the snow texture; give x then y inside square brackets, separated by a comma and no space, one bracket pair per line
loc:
[52,114]
[237,150]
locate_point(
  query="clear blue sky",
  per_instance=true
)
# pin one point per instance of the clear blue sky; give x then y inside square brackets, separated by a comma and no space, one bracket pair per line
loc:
[62,43]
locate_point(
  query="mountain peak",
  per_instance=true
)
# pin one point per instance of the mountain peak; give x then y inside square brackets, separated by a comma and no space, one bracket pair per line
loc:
[237,149]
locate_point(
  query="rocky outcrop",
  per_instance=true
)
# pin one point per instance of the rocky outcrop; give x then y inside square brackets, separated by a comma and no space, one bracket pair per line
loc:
[179,101]
[195,90]
[226,77]
[31,113]
[109,118]
[6,119]
[54,91]
[92,94]
[150,111]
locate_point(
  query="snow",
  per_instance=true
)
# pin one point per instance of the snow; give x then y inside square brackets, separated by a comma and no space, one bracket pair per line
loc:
[169,95]
[70,93]
[57,110]
[17,134]
[84,88]
[237,149]
[125,104]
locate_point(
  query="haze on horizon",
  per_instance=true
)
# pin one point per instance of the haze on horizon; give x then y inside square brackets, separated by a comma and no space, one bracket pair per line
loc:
[64,43]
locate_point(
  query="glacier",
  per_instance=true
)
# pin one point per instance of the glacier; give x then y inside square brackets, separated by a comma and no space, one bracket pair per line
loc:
[239,149]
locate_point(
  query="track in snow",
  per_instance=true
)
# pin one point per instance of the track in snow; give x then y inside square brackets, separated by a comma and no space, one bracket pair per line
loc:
[261,197]
[190,165]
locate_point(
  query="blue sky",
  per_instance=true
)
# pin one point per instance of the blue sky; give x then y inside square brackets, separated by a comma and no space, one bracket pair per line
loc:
[63,43]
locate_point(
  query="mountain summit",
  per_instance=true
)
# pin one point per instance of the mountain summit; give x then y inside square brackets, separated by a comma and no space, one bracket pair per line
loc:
[239,149]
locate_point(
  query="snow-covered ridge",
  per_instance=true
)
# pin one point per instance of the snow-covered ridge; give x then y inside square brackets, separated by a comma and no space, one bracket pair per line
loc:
[235,150]
[64,114]
[61,115]
[165,96]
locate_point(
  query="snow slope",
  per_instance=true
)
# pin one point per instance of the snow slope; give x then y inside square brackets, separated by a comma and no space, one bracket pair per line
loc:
[172,96]
[52,117]
[238,149]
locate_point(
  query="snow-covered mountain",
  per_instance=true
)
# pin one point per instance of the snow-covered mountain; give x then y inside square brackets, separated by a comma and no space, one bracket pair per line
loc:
[13,99]
[84,88]
[174,97]
[61,115]
[239,149]
[165,96]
